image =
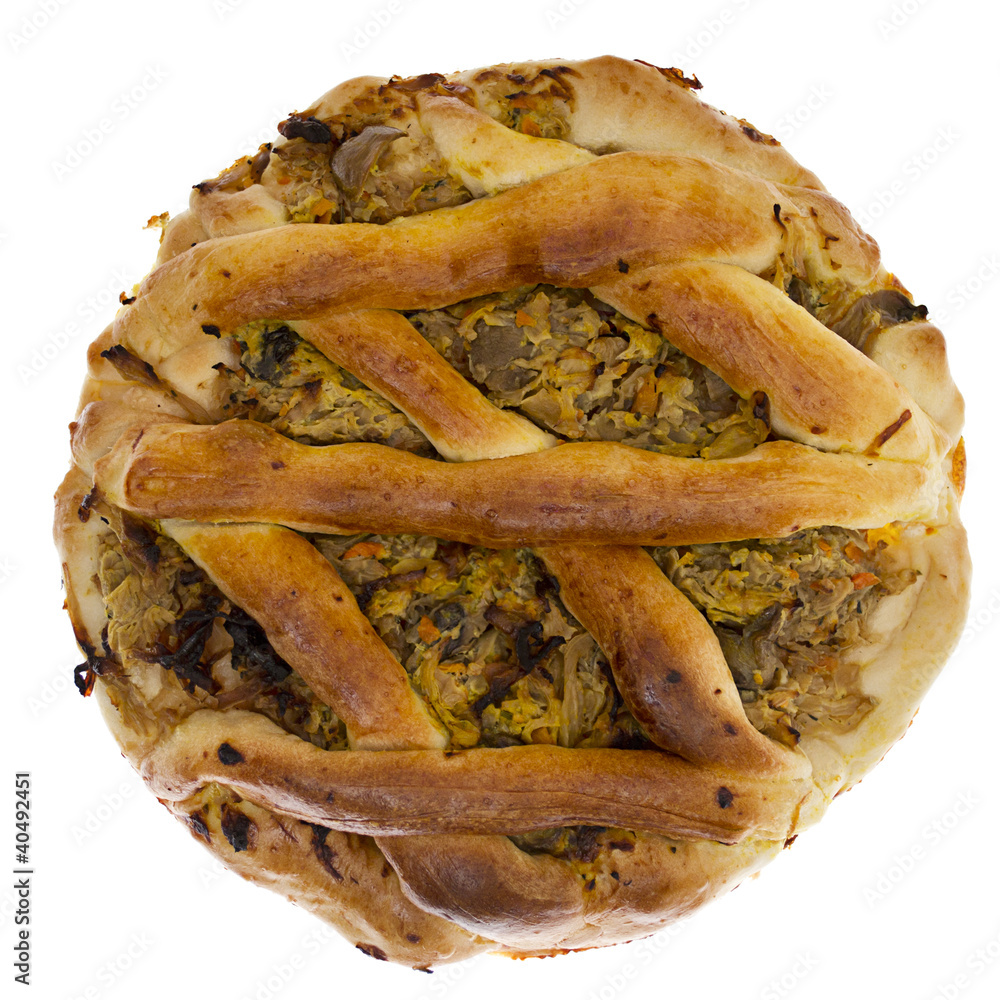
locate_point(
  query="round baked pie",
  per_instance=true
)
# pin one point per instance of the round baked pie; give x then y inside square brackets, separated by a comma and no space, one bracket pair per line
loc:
[512,508]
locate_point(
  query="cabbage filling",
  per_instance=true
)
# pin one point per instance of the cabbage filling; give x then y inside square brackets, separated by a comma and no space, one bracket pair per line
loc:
[486,641]
[785,612]
[287,383]
[489,646]
[178,644]
[569,363]
[575,366]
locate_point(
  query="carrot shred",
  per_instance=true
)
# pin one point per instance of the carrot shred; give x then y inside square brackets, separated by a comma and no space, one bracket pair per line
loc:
[427,630]
[862,580]
[364,549]
[646,398]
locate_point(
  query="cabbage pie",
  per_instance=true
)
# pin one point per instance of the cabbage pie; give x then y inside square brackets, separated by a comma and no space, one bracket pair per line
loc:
[512,508]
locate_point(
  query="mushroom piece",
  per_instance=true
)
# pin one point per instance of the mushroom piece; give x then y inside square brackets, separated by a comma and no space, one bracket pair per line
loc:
[354,159]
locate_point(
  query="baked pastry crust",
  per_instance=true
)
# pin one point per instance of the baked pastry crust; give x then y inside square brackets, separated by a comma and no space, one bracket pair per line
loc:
[684,220]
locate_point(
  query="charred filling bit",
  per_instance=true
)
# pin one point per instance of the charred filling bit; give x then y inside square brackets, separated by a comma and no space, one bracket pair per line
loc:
[370,183]
[785,612]
[351,168]
[577,367]
[181,645]
[486,641]
[594,853]
[575,843]
[285,382]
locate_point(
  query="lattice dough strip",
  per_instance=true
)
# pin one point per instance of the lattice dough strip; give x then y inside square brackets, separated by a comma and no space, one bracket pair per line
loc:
[582,492]
[312,620]
[489,157]
[822,391]
[393,793]
[382,349]
[636,209]
[667,662]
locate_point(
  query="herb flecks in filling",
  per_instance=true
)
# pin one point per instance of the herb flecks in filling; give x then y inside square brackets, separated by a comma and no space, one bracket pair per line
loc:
[577,367]
[287,383]
[785,611]
[181,645]
[486,641]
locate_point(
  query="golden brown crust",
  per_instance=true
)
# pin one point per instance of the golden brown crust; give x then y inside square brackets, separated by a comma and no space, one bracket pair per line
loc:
[513,790]
[574,493]
[75,533]
[640,208]
[915,355]
[675,209]
[758,340]
[316,628]
[667,662]
[489,887]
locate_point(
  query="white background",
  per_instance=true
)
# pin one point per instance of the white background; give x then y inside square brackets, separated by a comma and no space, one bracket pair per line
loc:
[896,892]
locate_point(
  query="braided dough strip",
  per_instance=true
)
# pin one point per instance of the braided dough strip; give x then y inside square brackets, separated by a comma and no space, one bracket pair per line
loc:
[583,492]
[517,789]
[756,338]
[636,209]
